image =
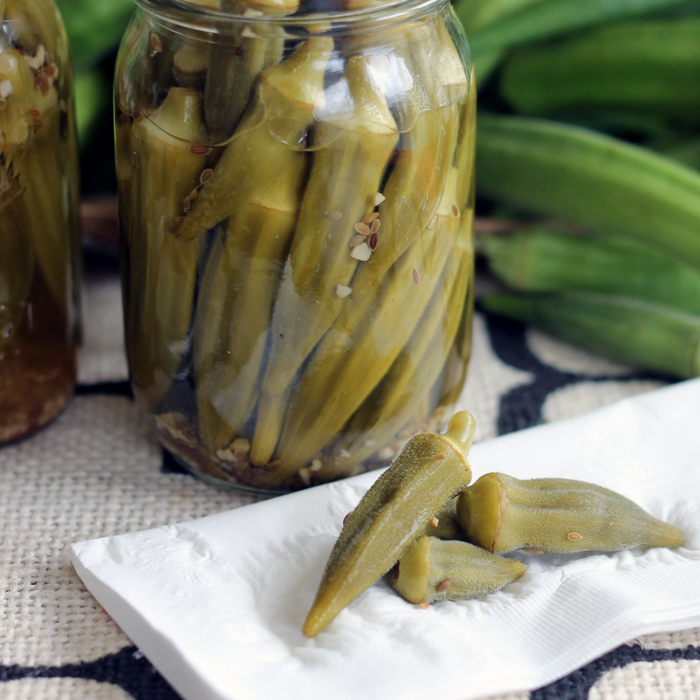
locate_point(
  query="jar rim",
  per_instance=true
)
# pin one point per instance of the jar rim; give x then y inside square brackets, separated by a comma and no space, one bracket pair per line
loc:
[192,14]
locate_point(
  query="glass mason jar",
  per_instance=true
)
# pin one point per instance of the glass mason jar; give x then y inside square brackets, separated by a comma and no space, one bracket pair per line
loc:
[296,198]
[39,228]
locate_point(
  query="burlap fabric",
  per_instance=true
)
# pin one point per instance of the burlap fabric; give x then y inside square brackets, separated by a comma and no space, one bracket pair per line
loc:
[98,471]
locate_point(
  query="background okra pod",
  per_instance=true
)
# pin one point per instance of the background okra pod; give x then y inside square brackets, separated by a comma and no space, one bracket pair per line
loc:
[434,570]
[429,471]
[591,180]
[631,331]
[559,516]
[546,260]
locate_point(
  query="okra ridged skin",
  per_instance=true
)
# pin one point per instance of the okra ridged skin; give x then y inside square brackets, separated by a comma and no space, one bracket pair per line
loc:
[362,345]
[591,180]
[546,260]
[289,94]
[345,177]
[165,174]
[652,67]
[429,471]
[631,331]
[557,516]
[433,570]
[235,305]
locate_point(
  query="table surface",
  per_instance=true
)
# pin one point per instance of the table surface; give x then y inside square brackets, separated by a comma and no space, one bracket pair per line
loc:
[98,471]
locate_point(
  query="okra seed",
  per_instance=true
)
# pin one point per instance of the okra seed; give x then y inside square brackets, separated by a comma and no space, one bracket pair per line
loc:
[356,240]
[424,605]
[200,150]
[370,218]
[316,465]
[533,550]
[455,211]
[443,585]
[362,229]
[206,176]
[373,241]
[440,456]
[156,44]
[379,198]
[342,291]
[333,215]
[416,276]
[346,518]
[574,536]
[376,224]
[434,521]
[432,224]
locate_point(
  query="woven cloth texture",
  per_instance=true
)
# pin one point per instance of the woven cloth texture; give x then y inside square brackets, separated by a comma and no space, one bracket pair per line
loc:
[98,471]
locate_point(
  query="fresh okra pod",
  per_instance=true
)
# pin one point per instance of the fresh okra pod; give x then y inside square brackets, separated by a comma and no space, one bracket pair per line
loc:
[631,331]
[434,570]
[430,470]
[556,516]
[546,260]
[650,67]
[591,180]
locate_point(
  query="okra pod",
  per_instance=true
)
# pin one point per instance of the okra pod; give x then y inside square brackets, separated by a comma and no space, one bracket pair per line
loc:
[433,570]
[430,470]
[167,175]
[545,260]
[551,18]
[632,331]
[651,67]
[289,96]
[370,333]
[429,138]
[591,180]
[235,305]
[557,516]
[397,397]
[237,58]
[345,176]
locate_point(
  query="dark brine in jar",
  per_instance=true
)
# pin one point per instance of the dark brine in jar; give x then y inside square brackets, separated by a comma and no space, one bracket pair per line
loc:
[38,224]
[297,211]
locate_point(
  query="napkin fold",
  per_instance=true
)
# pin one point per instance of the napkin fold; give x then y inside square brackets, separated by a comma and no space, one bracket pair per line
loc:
[217,604]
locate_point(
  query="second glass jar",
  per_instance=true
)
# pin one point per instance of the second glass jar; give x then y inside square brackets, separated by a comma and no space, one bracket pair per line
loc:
[296,199]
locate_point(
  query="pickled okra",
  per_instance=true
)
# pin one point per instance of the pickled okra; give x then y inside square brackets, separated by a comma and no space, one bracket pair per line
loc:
[556,516]
[434,570]
[428,472]
[326,228]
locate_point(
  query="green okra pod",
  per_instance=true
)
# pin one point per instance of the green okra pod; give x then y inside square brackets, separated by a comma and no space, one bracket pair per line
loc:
[166,177]
[430,127]
[430,470]
[239,54]
[288,98]
[434,570]
[556,516]
[345,175]
[546,260]
[591,180]
[650,67]
[632,331]
[235,305]
[397,398]
[551,18]
[370,333]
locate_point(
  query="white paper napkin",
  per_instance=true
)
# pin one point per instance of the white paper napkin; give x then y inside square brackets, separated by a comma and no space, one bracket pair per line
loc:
[217,604]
